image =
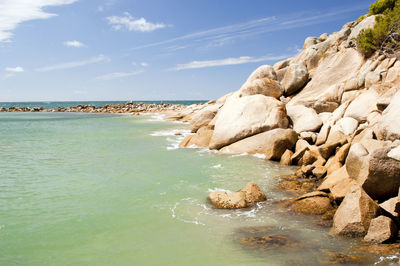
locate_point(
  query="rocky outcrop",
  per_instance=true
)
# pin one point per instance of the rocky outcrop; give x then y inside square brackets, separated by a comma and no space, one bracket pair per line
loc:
[272,143]
[244,117]
[332,112]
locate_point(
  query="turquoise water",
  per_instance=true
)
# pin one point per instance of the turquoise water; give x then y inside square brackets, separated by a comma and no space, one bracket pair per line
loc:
[93,103]
[90,189]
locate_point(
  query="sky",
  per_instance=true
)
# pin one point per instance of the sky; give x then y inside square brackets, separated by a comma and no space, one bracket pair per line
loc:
[77,50]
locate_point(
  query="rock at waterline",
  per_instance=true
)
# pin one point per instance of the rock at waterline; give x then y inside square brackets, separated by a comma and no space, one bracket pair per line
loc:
[354,215]
[382,229]
[236,200]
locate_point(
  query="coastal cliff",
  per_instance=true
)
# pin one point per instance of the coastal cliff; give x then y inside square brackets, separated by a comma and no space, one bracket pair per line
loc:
[333,112]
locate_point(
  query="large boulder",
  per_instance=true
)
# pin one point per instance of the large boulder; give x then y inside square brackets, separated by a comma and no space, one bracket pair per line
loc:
[246,116]
[389,126]
[272,143]
[354,215]
[375,171]
[264,71]
[381,230]
[303,118]
[243,198]
[296,76]
[362,106]
[203,117]
[264,86]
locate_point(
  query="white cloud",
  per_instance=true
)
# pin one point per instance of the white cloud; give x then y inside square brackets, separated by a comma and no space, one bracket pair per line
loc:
[74,43]
[132,24]
[14,69]
[116,75]
[144,64]
[228,61]
[222,35]
[67,65]
[14,12]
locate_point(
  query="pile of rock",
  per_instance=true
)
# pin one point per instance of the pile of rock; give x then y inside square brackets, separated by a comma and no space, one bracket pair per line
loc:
[128,107]
[331,112]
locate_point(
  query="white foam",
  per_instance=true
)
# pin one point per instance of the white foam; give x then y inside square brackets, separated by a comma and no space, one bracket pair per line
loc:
[239,155]
[393,258]
[172,132]
[217,166]
[259,155]
[219,189]
[157,117]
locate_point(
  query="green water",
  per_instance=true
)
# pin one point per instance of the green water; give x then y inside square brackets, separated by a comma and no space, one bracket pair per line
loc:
[87,189]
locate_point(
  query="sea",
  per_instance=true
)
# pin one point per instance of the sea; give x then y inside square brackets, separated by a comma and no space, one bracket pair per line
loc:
[105,189]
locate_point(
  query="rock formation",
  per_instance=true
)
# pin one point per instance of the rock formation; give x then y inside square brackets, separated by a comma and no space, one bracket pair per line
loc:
[331,111]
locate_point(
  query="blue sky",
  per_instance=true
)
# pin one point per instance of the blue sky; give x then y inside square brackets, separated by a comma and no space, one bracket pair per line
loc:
[55,50]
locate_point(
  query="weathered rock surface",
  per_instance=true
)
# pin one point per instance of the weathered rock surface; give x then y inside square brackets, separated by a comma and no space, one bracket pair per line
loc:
[244,117]
[264,86]
[381,229]
[272,143]
[338,184]
[323,87]
[354,215]
[203,117]
[296,76]
[303,118]
[362,106]
[377,173]
[389,126]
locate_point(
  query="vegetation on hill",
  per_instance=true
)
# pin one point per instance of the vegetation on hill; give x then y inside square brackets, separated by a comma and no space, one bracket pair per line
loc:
[384,37]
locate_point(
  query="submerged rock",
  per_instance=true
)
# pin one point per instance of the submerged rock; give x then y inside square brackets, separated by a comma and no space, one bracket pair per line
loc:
[313,203]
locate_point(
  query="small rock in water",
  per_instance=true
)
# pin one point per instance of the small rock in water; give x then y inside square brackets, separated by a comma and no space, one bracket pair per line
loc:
[240,199]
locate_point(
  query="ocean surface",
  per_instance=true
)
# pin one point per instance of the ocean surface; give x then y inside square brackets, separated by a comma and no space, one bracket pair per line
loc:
[93,103]
[101,189]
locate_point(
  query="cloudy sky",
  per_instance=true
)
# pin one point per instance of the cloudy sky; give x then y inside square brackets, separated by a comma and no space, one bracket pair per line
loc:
[151,50]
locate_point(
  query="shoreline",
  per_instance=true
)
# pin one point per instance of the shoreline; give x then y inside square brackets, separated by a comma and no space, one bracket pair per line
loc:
[126,108]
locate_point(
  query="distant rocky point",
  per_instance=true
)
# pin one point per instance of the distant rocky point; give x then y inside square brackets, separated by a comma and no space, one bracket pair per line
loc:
[129,107]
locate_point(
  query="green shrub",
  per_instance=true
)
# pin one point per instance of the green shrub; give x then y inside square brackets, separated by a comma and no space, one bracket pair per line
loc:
[385,34]
[380,6]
